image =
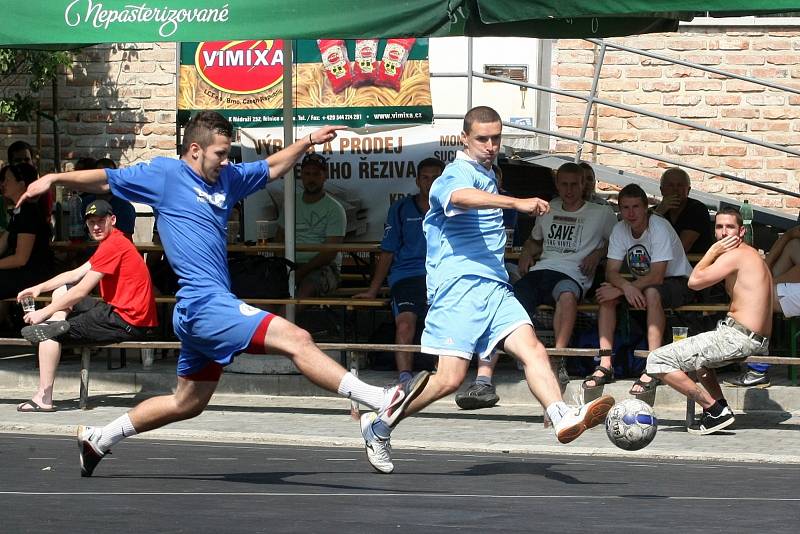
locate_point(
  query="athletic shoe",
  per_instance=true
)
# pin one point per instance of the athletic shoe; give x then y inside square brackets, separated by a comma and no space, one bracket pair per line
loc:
[582,418]
[379,451]
[400,396]
[90,455]
[477,395]
[708,424]
[749,379]
[36,333]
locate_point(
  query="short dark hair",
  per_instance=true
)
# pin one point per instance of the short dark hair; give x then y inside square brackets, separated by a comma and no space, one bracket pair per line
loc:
[585,165]
[677,171]
[570,168]
[85,164]
[430,162]
[202,127]
[18,146]
[632,191]
[480,114]
[106,163]
[23,172]
[730,210]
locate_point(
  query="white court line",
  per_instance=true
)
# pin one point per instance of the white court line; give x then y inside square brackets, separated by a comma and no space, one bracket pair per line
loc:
[384,495]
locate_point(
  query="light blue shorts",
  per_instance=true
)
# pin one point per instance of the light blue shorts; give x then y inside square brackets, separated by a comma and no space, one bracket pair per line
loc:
[470,315]
[213,329]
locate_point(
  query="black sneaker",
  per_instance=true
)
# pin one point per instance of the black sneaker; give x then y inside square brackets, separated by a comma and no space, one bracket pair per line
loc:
[708,424]
[478,395]
[90,455]
[749,379]
[36,333]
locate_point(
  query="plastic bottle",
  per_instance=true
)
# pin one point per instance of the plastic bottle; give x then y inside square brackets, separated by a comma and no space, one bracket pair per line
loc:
[747,219]
[76,228]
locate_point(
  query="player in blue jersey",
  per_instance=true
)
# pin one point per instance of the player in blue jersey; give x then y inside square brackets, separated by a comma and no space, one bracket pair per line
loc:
[193,196]
[403,259]
[472,306]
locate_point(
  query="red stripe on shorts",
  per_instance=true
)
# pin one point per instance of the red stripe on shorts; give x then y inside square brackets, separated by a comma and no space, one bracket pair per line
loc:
[210,373]
[256,345]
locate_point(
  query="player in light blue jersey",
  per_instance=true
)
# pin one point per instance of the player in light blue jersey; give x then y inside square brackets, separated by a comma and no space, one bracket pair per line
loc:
[193,197]
[472,307]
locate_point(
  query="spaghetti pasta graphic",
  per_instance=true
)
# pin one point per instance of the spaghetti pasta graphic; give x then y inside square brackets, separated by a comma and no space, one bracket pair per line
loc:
[312,90]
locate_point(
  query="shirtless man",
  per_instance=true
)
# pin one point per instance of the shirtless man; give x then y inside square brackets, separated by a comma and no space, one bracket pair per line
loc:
[744,332]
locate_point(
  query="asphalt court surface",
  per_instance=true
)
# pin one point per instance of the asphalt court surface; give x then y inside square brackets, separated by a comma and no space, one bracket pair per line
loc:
[170,486]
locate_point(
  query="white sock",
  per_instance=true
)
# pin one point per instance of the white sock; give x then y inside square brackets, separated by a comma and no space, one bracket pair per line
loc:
[113,432]
[556,412]
[353,388]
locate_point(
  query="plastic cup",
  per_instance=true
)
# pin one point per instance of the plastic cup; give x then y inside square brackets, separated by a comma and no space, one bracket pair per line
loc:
[262,232]
[679,332]
[28,304]
[233,232]
[509,238]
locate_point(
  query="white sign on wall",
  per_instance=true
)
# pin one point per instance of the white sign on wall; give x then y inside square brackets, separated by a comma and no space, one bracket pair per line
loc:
[366,172]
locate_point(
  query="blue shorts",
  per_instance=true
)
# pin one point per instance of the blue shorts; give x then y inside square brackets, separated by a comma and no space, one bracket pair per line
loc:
[469,315]
[213,329]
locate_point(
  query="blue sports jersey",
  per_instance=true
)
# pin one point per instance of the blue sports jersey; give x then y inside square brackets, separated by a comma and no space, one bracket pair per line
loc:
[463,242]
[402,236]
[192,215]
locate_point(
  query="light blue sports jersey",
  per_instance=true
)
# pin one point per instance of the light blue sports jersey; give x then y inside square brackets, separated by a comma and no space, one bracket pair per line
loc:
[463,242]
[192,215]
[402,236]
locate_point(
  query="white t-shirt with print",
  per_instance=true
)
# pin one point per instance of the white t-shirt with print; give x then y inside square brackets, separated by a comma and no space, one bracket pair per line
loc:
[658,242]
[569,236]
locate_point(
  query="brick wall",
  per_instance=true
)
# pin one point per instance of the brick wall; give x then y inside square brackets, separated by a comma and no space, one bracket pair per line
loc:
[117,101]
[737,106]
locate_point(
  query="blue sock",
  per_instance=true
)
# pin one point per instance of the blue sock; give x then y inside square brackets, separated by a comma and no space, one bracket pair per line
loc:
[480,379]
[405,376]
[381,430]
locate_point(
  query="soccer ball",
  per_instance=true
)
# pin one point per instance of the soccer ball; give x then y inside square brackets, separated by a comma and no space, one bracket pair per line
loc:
[631,424]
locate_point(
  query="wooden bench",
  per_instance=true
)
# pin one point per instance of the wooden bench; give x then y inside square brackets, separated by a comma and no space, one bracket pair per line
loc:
[350,353]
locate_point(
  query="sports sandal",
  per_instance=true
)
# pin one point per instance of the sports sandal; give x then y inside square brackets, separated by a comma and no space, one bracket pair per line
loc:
[647,387]
[36,333]
[599,380]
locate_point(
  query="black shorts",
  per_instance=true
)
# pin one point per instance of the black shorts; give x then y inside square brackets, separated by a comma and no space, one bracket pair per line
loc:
[410,295]
[94,322]
[674,292]
[538,287]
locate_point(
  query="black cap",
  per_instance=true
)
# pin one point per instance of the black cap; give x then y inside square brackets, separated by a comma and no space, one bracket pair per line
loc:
[98,208]
[314,159]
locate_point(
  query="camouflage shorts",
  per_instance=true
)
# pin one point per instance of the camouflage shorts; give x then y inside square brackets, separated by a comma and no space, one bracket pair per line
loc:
[710,349]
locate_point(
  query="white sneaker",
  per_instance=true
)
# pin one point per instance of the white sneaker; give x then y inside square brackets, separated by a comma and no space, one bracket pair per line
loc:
[401,396]
[379,451]
[582,418]
[90,454]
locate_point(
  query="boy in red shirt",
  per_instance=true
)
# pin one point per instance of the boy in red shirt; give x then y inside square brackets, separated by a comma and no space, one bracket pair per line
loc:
[126,311]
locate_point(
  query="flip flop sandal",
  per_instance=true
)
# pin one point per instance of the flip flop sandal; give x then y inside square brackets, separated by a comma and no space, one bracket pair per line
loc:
[599,381]
[37,333]
[34,407]
[647,387]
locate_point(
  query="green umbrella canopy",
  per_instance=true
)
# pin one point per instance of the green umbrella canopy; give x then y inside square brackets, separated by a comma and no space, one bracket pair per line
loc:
[52,22]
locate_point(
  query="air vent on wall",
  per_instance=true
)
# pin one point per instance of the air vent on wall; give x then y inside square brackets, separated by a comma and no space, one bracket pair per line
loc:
[518,73]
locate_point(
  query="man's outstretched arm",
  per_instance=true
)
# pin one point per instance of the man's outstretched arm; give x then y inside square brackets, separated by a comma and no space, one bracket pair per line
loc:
[90,181]
[283,160]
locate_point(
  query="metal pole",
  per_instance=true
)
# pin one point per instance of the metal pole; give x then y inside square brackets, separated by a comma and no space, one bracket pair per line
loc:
[289,178]
[590,101]
[469,73]
[56,133]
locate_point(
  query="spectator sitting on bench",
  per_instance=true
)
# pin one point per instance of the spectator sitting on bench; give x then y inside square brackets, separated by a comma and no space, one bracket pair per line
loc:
[559,260]
[319,219]
[653,254]
[590,186]
[123,210]
[783,259]
[402,257]
[688,217]
[126,312]
[744,332]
